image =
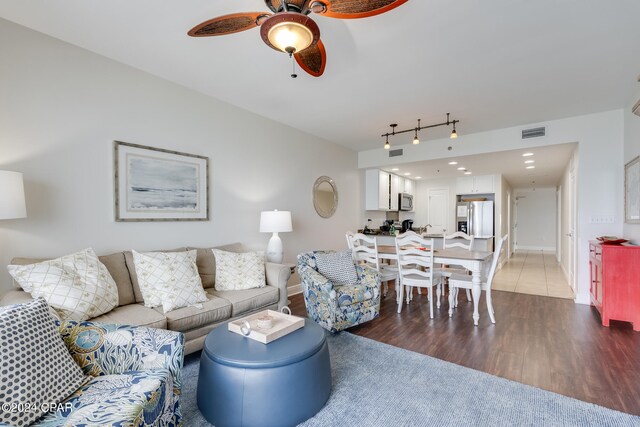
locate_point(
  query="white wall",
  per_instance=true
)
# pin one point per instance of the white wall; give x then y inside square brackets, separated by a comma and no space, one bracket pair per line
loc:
[599,180]
[536,217]
[631,150]
[61,107]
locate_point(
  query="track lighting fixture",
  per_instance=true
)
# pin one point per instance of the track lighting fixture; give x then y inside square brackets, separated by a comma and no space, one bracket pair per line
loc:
[416,141]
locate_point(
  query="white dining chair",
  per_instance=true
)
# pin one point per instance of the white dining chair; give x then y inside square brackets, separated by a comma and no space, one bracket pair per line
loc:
[415,264]
[464,281]
[349,235]
[454,240]
[364,249]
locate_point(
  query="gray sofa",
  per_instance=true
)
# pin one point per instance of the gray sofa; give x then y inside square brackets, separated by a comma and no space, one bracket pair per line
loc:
[193,322]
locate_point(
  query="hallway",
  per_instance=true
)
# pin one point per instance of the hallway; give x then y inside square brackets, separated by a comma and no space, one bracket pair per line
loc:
[535,273]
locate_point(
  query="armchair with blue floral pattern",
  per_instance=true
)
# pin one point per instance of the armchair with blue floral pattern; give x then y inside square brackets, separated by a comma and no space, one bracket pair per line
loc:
[133,376]
[338,307]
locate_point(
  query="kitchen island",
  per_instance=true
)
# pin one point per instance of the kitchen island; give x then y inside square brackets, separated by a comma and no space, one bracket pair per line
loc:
[484,244]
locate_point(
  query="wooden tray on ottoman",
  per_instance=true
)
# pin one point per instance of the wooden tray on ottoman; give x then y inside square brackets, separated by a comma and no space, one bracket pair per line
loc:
[282,325]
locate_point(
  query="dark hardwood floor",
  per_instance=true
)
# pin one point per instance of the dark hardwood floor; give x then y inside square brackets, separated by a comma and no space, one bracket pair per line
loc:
[545,342]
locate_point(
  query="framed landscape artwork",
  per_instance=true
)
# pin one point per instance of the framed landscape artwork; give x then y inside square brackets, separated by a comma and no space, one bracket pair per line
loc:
[152,184]
[632,191]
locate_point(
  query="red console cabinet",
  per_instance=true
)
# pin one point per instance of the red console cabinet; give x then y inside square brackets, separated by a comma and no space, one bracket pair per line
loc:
[615,282]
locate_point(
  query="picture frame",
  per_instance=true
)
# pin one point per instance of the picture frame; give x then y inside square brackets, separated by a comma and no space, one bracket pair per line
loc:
[154,184]
[632,191]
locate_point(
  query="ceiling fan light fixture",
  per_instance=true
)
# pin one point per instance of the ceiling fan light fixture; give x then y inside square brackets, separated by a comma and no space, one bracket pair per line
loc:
[289,32]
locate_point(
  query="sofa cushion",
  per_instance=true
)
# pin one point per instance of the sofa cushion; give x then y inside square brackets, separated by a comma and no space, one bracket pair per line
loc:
[213,311]
[237,271]
[247,300]
[128,257]
[337,267]
[134,314]
[206,262]
[131,398]
[117,267]
[169,279]
[36,367]
[77,285]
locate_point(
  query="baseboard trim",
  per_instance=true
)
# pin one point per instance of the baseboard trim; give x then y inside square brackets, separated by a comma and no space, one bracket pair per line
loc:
[295,289]
[536,248]
[583,298]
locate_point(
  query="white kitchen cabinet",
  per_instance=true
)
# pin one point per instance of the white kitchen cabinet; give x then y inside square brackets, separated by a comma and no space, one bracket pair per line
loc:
[377,190]
[397,185]
[409,186]
[482,184]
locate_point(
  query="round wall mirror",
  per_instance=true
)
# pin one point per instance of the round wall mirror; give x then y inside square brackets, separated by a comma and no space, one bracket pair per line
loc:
[325,196]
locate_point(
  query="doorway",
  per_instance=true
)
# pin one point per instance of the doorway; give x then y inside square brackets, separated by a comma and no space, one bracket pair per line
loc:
[438,210]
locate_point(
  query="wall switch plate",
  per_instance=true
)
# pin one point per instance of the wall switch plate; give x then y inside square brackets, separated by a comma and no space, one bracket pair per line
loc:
[602,219]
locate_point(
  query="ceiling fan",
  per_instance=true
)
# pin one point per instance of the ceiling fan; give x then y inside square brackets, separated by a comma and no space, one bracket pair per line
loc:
[289,29]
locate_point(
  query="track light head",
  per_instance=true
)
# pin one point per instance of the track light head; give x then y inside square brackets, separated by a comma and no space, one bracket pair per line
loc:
[454,134]
[386,144]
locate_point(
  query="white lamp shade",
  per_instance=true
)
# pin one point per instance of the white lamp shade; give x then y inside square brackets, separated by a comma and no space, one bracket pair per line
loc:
[275,221]
[12,204]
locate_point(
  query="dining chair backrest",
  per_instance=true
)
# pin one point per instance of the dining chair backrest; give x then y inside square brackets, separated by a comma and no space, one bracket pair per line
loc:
[407,233]
[349,237]
[457,240]
[497,254]
[364,249]
[415,256]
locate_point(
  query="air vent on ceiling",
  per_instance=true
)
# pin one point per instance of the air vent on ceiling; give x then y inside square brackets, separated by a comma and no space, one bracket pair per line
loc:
[395,153]
[636,109]
[534,132]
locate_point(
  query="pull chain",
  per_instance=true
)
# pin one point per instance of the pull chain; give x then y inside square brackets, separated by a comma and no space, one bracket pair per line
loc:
[293,74]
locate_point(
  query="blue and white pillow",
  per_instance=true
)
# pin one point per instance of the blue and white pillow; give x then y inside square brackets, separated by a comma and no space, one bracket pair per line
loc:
[337,267]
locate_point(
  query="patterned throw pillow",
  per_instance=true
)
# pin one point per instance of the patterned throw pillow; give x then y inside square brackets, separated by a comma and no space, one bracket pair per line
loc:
[78,286]
[235,271]
[169,279]
[337,267]
[36,369]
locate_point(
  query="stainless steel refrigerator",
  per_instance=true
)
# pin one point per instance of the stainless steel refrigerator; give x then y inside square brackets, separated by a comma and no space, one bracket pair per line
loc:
[475,218]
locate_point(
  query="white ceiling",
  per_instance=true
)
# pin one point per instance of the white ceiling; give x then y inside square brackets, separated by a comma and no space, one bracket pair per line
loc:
[492,64]
[550,163]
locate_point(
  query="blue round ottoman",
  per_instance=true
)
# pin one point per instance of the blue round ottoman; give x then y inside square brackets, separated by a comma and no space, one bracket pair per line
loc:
[243,382]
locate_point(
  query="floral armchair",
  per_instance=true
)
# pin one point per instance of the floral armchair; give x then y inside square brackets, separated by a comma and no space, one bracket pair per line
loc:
[134,376]
[338,307]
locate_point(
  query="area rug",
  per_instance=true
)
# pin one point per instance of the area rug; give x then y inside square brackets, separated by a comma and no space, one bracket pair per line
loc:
[375,384]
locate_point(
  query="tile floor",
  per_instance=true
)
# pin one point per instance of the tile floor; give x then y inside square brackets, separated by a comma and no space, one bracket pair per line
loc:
[535,273]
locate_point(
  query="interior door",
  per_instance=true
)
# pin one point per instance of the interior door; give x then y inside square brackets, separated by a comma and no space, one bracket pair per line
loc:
[440,213]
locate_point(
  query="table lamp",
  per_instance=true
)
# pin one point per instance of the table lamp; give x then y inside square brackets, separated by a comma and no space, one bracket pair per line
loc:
[12,204]
[275,222]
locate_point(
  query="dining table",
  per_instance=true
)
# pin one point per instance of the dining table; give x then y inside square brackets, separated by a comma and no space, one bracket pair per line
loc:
[474,261]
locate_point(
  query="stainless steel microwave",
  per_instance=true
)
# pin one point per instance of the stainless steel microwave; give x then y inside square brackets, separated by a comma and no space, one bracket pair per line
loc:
[405,202]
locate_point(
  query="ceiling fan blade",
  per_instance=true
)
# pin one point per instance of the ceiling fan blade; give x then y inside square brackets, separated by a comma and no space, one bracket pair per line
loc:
[313,59]
[352,9]
[228,24]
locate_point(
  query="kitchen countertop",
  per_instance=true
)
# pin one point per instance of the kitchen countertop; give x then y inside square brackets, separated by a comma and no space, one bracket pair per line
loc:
[377,232]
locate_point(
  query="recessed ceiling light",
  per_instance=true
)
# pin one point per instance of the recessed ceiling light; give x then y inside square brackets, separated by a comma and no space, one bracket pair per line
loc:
[453,163]
[395,170]
[531,167]
[529,161]
[418,177]
[527,155]
[467,173]
[407,173]
[461,168]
